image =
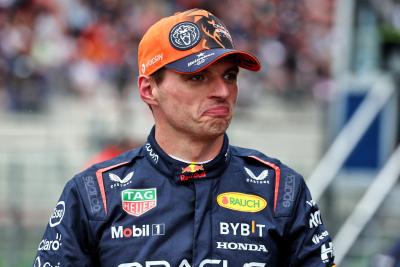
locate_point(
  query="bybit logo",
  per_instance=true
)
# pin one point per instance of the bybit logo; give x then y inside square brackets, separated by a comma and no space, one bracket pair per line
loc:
[242,229]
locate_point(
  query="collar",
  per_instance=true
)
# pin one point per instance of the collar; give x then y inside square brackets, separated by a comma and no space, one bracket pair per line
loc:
[183,172]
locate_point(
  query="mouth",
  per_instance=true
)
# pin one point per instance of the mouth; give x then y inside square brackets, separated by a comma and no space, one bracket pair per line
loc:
[218,112]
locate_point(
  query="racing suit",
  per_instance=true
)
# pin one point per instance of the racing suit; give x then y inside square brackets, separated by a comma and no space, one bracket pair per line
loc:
[144,208]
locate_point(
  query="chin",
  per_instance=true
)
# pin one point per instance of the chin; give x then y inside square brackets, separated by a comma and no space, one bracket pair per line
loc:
[217,127]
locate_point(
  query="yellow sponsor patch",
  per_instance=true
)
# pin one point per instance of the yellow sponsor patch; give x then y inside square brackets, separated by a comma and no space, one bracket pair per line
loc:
[241,202]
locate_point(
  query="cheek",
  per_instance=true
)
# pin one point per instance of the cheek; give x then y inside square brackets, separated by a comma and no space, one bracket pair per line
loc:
[234,94]
[177,104]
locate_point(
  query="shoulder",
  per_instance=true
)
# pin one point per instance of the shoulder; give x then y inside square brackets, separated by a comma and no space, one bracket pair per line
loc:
[288,183]
[90,183]
[262,159]
[116,162]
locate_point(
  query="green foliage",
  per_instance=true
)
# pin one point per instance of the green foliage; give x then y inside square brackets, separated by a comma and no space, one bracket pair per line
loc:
[390,34]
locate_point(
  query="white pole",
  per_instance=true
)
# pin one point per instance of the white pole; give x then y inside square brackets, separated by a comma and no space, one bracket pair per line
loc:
[367,206]
[350,135]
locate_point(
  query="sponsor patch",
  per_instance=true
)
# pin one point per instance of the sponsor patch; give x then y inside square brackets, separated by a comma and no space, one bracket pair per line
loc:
[185,35]
[58,214]
[315,219]
[93,194]
[241,246]
[316,239]
[311,203]
[153,155]
[192,171]
[242,229]
[289,189]
[118,182]
[260,179]
[50,245]
[38,263]
[152,61]
[185,263]
[241,202]
[138,201]
[201,58]
[137,231]
[327,252]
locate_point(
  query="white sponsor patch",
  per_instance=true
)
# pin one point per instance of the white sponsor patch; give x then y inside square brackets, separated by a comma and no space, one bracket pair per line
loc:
[315,219]
[316,239]
[137,231]
[185,263]
[201,58]
[58,214]
[241,246]
[260,179]
[118,182]
[327,252]
[38,263]
[242,229]
[152,61]
[50,245]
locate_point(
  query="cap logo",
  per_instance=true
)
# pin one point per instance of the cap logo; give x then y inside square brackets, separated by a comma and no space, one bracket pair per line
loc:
[185,35]
[201,58]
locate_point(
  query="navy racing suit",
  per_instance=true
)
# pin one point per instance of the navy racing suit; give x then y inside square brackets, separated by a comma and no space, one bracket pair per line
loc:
[144,208]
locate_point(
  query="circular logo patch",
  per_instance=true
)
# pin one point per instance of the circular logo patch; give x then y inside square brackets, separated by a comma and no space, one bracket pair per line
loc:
[58,214]
[185,35]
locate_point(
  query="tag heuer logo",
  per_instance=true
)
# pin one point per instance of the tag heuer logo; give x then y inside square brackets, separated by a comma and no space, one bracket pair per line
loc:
[139,201]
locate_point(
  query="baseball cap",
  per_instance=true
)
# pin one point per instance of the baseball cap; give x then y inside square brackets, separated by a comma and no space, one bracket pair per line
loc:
[189,42]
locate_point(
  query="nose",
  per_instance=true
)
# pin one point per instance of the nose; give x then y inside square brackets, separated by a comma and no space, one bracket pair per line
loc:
[221,88]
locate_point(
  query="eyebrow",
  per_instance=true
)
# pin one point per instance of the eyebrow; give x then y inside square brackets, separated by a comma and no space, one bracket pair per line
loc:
[205,71]
[234,68]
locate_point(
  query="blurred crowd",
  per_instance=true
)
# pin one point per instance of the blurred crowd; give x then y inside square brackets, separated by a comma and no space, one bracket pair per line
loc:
[83,48]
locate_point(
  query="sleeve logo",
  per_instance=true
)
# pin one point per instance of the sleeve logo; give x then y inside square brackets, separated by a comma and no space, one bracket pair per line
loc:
[58,214]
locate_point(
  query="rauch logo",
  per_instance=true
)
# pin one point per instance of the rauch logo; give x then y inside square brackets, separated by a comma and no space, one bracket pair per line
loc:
[139,201]
[241,202]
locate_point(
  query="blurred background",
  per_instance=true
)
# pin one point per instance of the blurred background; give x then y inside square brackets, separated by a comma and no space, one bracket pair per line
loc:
[325,103]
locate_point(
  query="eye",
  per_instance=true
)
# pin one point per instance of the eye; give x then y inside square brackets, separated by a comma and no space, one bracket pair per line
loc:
[196,77]
[231,76]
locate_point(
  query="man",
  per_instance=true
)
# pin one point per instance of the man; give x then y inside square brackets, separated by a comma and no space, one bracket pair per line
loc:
[187,198]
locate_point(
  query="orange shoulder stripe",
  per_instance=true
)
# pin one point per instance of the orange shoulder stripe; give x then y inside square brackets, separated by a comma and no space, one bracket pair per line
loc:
[277,178]
[99,175]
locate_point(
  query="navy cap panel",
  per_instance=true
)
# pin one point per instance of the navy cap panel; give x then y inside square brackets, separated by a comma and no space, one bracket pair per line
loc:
[204,58]
[197,61]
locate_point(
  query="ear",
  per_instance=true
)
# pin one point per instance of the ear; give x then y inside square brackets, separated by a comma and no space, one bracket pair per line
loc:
[147,90]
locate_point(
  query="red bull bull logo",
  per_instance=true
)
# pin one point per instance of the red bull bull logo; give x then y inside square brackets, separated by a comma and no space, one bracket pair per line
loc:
[192,171]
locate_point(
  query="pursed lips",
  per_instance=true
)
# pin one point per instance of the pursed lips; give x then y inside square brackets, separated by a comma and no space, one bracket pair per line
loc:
[217,111]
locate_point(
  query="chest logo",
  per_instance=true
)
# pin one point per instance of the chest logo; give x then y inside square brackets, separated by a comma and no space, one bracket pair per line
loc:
[193,171]
[120,182]
[136,202]
[241,202]
[260,179]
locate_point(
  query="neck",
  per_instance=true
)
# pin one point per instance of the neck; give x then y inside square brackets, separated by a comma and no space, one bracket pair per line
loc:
[189,148]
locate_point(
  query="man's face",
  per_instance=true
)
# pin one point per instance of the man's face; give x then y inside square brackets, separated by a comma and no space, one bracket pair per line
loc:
[199,104]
